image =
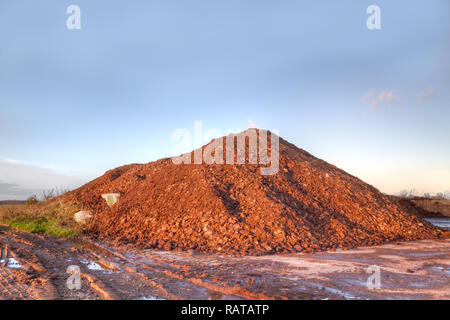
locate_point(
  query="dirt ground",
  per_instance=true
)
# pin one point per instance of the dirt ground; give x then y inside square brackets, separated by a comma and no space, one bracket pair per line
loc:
[35,267]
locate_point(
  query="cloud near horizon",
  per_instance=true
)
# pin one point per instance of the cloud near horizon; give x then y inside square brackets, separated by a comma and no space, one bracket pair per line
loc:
[19,180]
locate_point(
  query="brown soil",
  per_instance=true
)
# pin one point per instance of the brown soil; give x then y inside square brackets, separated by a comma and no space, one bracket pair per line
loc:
[308,205]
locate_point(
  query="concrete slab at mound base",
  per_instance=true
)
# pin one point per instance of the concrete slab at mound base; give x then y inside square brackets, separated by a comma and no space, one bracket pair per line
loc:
[82,216]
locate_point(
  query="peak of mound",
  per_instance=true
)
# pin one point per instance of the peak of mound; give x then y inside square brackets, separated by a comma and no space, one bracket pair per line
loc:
[307,205]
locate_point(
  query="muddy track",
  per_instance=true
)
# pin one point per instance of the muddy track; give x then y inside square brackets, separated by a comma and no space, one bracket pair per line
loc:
[106,272]
[35,267]
[43,270]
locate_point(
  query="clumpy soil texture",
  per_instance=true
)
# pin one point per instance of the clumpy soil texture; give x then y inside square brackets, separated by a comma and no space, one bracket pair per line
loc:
[309,205]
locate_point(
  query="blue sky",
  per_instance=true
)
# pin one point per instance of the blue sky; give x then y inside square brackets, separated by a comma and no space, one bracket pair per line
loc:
[75,103]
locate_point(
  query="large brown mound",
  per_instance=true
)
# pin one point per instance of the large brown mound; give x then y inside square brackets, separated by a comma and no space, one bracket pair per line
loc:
[308,205]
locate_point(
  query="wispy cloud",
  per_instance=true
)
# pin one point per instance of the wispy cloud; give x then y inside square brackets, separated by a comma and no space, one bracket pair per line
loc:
[251,123]
[376,99]
[425,95]
[11,160]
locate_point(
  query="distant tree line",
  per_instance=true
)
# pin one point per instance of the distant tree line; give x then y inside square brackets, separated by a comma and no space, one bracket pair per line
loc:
[414,193]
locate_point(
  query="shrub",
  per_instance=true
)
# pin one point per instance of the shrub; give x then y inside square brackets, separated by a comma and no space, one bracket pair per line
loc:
[32,200]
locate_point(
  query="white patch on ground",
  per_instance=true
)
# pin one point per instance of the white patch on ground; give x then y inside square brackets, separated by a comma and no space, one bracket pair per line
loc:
[149,298]
[12,263]
[91,265]
[94,266]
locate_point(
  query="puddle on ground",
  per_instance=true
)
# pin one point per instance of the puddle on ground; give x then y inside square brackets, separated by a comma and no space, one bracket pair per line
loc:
[94,266]
[148,298]
[439,222]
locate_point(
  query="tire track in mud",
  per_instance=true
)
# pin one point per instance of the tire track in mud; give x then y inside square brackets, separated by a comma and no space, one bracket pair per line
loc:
[4,285]
[9,280]
[101,256]
[125,273]
[166,284]
[47,259]
[33,264]
[130,273]
[186,272]
[12,285]
[170,278]
[182,272]
[43,265]
[222,276]
[191,277]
